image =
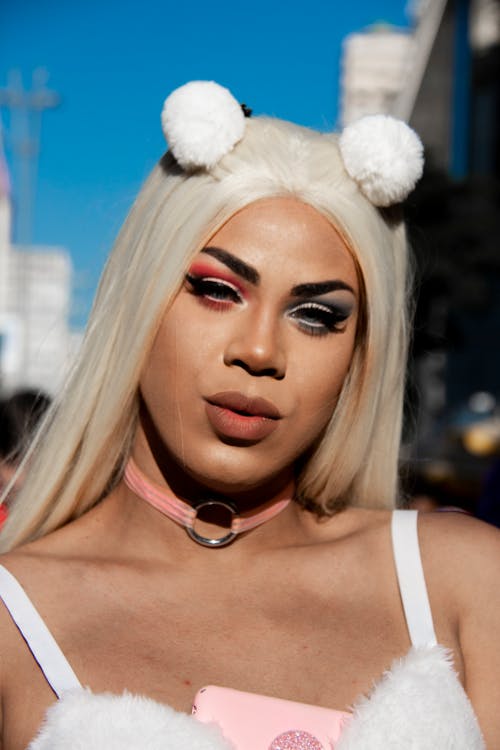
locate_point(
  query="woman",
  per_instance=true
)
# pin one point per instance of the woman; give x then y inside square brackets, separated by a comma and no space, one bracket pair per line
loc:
[247,346]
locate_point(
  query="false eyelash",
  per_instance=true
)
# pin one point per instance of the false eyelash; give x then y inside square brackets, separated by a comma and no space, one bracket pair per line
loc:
[208,288]
[329,317]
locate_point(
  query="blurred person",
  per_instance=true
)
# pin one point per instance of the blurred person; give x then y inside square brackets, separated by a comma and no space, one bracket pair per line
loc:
[213,502]
[20,415]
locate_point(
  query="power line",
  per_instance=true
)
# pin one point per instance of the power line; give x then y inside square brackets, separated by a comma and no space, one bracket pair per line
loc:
[25,108]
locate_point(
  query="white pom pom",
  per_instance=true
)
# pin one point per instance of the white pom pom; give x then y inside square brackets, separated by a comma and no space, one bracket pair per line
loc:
[202,122]
[384,156]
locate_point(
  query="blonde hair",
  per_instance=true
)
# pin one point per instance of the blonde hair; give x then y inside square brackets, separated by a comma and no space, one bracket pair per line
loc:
[82,446]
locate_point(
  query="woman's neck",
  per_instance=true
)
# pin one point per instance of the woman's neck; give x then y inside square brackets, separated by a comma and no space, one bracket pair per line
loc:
[158,465]
[157,480]
[209,512]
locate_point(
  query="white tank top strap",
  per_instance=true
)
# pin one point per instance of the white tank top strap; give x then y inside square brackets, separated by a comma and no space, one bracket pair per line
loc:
[411,579]
[40,641]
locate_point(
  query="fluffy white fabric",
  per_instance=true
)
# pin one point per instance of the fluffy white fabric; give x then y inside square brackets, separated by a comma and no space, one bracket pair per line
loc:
[384,156]
[419,704]
[202,122]
[84,721]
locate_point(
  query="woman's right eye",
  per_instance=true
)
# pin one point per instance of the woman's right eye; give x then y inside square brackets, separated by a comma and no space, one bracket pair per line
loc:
[214,291]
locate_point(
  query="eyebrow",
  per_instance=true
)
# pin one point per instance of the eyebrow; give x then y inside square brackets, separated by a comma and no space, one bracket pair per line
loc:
[321,287]
[250,274]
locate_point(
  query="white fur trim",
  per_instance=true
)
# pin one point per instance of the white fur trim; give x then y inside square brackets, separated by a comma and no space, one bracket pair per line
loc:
[81,720]
[202,122]
[419,703]
[384,156]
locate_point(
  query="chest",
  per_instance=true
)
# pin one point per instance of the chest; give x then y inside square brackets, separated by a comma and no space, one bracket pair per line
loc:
[284,638]
[301,632]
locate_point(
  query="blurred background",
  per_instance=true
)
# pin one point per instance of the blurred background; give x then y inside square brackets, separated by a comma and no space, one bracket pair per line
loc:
[81,89]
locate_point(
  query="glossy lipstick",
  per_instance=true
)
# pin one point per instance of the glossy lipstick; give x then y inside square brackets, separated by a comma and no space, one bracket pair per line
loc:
[236,416]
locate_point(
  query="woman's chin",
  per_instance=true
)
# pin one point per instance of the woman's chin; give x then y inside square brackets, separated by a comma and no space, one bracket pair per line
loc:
[231,480]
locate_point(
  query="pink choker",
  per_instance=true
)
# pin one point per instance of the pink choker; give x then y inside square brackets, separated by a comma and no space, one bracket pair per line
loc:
[186,515]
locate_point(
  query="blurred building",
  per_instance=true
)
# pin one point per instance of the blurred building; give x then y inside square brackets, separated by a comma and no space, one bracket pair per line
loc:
[485,85]
[36,335]
[4,226]
[442,75]
[35,294]
[383,67]
[375,67]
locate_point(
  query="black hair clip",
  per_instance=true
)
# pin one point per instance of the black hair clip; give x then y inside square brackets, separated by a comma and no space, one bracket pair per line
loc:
[246,110]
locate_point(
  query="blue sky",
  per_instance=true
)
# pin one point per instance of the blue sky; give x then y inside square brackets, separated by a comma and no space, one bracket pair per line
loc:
[113,63]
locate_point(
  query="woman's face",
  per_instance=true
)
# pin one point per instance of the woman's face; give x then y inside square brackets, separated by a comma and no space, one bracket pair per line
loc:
[249,361]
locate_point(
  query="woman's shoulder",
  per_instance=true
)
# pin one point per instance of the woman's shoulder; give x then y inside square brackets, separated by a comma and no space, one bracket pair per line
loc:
[462,544]
[53,570]
[461,557]
[458,552]
[453,538]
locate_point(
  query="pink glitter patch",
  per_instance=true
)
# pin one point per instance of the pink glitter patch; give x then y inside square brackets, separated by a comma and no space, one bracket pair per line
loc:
[295,739]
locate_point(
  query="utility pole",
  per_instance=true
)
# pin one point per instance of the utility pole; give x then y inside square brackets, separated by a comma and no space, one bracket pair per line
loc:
[23,138]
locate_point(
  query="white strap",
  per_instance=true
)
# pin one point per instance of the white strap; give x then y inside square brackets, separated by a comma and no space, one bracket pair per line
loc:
[38,637]
[411,578]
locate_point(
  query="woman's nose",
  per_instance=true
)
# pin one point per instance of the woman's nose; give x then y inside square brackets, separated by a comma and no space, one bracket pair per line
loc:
[256,345]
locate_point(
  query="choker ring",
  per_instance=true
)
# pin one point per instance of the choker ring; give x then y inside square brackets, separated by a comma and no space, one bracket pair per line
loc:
[186,514]
[207,541]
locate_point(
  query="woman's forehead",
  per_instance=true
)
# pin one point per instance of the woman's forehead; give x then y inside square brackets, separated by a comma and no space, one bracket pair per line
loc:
[285,234]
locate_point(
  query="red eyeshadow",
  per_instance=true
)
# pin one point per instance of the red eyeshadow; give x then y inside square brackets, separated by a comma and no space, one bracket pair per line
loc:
[201,269]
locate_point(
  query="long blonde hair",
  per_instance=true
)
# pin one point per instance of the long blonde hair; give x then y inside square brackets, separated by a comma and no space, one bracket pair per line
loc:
[81,448]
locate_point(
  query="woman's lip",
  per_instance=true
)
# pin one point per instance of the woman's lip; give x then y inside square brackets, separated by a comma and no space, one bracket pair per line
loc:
[244,406]
[243,418]
[232,425]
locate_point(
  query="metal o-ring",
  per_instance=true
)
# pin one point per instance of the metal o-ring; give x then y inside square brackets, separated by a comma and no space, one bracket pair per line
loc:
[205,540]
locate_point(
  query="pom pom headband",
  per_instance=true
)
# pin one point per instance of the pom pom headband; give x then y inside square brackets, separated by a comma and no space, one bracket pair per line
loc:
[384,156]
[202,122]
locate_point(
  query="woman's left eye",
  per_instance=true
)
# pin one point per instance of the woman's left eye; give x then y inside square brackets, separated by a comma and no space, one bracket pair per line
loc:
[213,291]
[317,318]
